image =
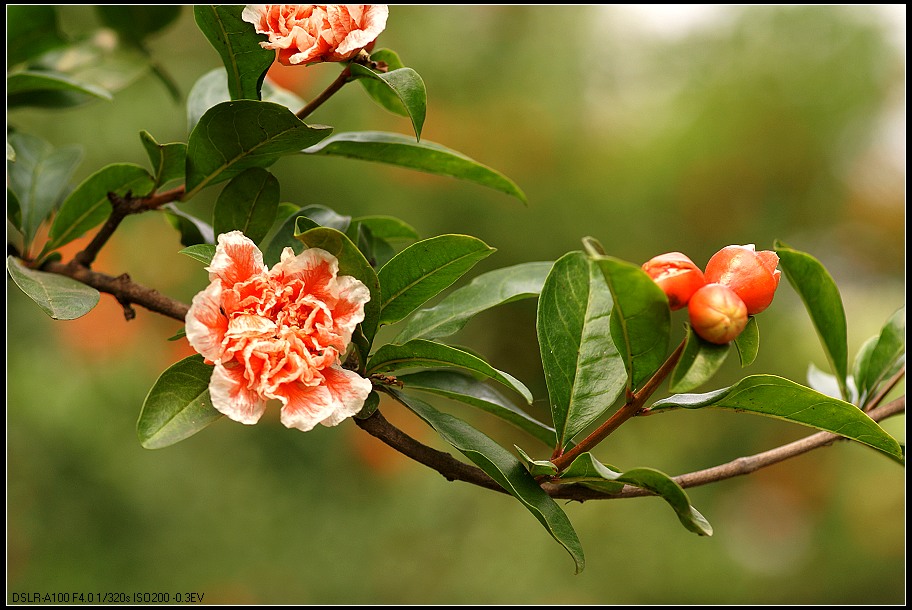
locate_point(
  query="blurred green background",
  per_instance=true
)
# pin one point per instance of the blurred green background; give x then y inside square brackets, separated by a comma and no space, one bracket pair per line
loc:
[652,129]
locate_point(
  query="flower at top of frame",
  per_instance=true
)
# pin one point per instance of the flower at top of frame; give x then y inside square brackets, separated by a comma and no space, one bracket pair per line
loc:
[279,333]
[310,33]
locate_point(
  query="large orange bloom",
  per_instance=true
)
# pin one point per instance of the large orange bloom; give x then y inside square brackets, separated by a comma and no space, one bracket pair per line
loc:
[308,33]
[278,333]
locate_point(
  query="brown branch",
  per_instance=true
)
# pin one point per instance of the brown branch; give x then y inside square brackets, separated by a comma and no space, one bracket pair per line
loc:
[121,208]
[887,387]
[633,405]
[123,288]
[455,470]
[333,87]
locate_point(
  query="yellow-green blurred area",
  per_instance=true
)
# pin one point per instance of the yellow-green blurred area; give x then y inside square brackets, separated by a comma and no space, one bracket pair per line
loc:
[652,129]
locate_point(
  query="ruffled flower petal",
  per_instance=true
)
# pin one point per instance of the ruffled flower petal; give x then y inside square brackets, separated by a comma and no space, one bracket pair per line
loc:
[236,259]
[230,395]
[206,324]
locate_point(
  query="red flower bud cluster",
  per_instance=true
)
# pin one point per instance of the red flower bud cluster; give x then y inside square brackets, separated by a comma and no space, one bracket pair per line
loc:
[738,282]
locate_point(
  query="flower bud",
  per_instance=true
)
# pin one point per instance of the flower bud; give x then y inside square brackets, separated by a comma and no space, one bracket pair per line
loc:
[716,313]
[752,275]
[676,275]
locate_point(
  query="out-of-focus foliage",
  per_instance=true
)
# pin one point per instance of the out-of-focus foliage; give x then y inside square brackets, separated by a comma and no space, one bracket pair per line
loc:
[754,124]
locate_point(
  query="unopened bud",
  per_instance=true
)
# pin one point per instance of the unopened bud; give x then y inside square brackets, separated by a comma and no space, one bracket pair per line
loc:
[717,314]
[676,275]
[752,275]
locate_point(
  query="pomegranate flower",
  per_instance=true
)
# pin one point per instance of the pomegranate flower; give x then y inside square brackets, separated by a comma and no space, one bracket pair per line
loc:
[717,314]
[676,275]
[752,275]
[310,33]
[278,333]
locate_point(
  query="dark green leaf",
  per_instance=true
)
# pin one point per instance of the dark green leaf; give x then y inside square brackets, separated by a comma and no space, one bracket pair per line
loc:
[192,230]
[88,205]
[178,405]
[425,156]
[484,292]
[370,405]
[883,358]
[419,353]
[31,29]
[179,334]
[388,228]
[247,204]
[783,399]
[13,211]
[423,270]
[39,177]
[326,217]
[353,263]
[234,136]
[379,90]
[583,369]
[284,237]
[591,473]
[821,297]
[406,85]
[536,468]
[201,252]
[699,362]
[22,87]
[471,391]
[58,296]
[238,44]
[640,320]
[169,161]
[212,88]
[748,342]
[503,467]
[659,483]
[134,22]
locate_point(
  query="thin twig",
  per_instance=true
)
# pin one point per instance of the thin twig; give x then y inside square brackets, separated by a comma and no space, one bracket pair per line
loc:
[887,387]
[121,208]
[125,290]
[327,93]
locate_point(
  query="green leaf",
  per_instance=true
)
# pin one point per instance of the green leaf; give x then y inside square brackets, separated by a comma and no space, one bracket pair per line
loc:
[591,473]
[748,342]
[284,237]
[423,270]
[178,405]
[192,230]
[22,87]
[134,23]
[484,292]
[247,204]
[821,297]
[883,358]
[370,405]
[353,263]
[13,211]
[88,205]
[58,296]
[503,467]
[39,177]
[469,390]
[699,362]
[326,217]
[536,468]
[169,161]
[388,228]
[201,252]
[783,399]
[212,88]
[406,85]
[426,354]
[179,334]
[583,369]
[234,136]
[238,44]
[655,481]
[31,30]
[380,91]
[640,319]
[396,149]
